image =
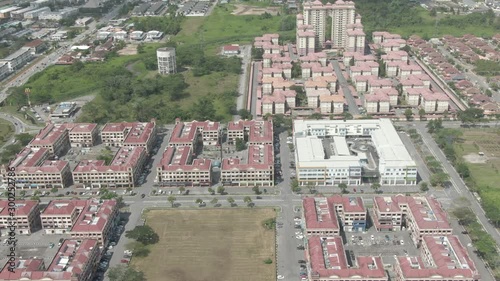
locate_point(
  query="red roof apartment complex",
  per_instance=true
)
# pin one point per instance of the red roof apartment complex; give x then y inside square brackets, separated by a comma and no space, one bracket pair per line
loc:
[188,133]
[422,215]
[54,137]
[82,134]
[123,171]
[441,258]
[258,169]
[26,216]
[74,261]
[329,262]
[34,170]
[129,134]
[177,167]
[257,132]
[83,219]
[321,215]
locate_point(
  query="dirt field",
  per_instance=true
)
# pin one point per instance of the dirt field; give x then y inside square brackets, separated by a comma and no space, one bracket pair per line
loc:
[243,10]
[129,50]
[199,245]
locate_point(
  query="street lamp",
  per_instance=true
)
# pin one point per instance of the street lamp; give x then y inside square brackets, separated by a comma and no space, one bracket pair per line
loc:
[27,91]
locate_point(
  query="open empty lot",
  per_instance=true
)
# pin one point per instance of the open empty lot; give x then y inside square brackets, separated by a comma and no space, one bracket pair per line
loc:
[484,169]
[217,244]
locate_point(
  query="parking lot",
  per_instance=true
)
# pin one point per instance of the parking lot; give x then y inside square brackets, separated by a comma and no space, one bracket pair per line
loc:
[38,244]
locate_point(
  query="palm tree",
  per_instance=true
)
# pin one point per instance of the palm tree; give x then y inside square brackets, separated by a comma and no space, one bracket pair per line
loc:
[376,187]
[171,199]
[248,200]
[214,201]
[230,200]
[198,201]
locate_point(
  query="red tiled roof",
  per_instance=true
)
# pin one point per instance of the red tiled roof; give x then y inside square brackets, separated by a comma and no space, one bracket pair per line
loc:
[176,158]
[260,157]
[185,132]
[23,207]
[63,207]
[319,248]
[72,256]
[125,158]
[94,216]
[450,260]
[231,48]
[35,43]
[48,135]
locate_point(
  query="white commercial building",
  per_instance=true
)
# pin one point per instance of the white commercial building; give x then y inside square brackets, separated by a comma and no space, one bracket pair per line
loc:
[58,15]
[166,60]
[329,152]
[18,59]
[34,14]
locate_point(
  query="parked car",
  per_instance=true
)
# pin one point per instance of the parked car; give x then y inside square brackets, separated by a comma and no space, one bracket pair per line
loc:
[143,195]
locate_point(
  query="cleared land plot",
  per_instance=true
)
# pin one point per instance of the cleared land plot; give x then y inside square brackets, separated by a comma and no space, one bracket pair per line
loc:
[242,10]
[488,142]
[223,244]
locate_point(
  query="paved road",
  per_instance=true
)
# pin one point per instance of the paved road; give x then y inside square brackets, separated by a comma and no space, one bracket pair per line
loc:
[353,108]
[459,188]
[246,52]
[253,104]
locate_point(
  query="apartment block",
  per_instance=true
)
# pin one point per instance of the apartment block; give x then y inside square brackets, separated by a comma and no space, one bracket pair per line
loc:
[26,215]
[4,70]
[74,261]
[377,102]
[34,170]
[258,169]
[257,132]
[60,215]
[130,134]
[305,39]
[442,258]
[123,171]
[320,218]
[328,261]
[422,215]
[82,134]
[54,138]
[333,104]
[434,102]
[96,221]
[188,133]
[178,168]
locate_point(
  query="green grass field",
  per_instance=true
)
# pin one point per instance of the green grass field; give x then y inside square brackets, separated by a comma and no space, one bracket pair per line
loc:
[429,28]
[217,244]
[488,142]
[221,27]
[6,131]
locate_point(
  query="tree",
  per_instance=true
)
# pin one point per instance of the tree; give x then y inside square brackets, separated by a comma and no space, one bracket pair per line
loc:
[248,201]
[139,249]
[421,113]
[245,114]
[257,53]
[347,115]
[343,187]
[376,186]
[125,273]
[439,179]
[240,144]
[464,215]
[424,187]
[171,199]
[221,190]
[296,70]
[230,200]
[144,234]
[408,114]
[129,189]
[211,190]
[214,201]
[23,193]
[182,189]
[295,186]
[433,12]
[256,190]
[54,190]
[24,138]
[352,62]
[471,115]
[316,116]
[463,170]
[199,201]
